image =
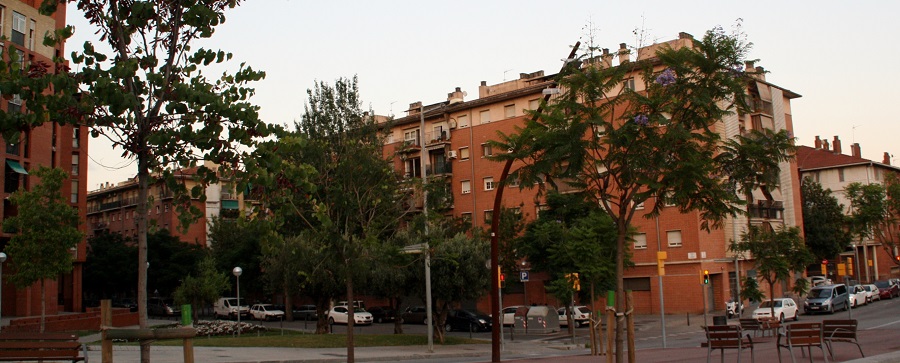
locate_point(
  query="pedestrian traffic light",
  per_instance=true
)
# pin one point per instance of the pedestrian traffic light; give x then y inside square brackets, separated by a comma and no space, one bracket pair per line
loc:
[706,277]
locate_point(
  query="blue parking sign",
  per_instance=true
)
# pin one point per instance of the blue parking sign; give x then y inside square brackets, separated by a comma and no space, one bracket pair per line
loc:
[523,276]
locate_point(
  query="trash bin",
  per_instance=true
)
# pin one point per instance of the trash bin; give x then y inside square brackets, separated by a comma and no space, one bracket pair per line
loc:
[542,320]
[720,320]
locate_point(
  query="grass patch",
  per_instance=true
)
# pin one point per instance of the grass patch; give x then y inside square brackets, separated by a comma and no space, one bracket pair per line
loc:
[294,339]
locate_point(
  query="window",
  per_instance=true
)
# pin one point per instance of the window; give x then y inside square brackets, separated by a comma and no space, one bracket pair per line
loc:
[489,183]
[637,283]
[464,153]
[878,175]
[509,111]
[629,83]
[14,105]
[466,218]
[31,26]
[2,17]
[486,150]
[389,139]
[488,216]
[463,121]
[166,208]
[18,29]
[674,238]
[74,199]
[157,209]
[841,174]
[534,104]
[640,241]
[485,116]
[74,164]
[411,136]
[513,182]
[639,206]
[466,187]
[76,137]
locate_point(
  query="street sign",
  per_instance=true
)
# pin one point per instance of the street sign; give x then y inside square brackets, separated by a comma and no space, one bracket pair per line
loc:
[523,276]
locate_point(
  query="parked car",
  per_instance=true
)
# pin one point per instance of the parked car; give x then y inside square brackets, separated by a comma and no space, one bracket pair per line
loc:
[125,303]
[339,314]
[872,292]
[415,314]
[465,320]
[383,314]
[581,314]
[827,299]
[858,295]
[784,308]
[819,281]
[162,307]
[887,290]
[228,307]
[266,312]
[306,312]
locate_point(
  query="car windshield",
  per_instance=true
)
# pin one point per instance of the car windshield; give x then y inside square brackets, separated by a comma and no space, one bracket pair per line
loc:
[819,293]
[868,287]
[768,304]
[883,284]
[585,310]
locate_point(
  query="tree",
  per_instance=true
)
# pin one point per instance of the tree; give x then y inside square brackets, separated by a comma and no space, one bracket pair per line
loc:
[394,274]
[625,147]
[281,266]
[868,209]
[110,267]
[237,243]
[823,221]
[152,100]
[777,253]
[887,231]
[170,260]
[202,287]
[45,230]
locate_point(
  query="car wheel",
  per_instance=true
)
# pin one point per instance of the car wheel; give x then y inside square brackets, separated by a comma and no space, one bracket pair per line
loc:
[448,327]
[472,328]
[781,318]
[577,324]
[796,316]
[331,321]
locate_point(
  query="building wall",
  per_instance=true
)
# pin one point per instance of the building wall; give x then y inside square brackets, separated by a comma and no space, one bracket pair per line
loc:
[49,145]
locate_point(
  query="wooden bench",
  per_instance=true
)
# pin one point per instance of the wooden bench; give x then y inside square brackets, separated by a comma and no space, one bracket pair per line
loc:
[802,335]
[18,347]
[843,331]
[751,325]
[723,337]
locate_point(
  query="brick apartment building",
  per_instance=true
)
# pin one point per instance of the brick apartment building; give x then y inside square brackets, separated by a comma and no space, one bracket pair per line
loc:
[50,145]
[112,208]
[829,166]
[454,143]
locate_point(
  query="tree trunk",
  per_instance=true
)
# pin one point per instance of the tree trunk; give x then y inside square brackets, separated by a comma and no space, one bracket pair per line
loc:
[620,291]
[398,321]
[43,306]
[350,313]
[141,215]
[288,303]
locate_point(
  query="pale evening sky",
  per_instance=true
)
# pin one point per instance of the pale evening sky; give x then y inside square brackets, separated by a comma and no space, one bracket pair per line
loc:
[840,56]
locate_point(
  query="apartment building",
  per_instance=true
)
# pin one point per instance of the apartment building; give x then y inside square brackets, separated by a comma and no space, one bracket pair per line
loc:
[112,208]
[454,145]
[22,28]
[829,166]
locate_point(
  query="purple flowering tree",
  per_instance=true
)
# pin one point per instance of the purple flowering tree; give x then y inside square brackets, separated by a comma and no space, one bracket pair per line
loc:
[626,146]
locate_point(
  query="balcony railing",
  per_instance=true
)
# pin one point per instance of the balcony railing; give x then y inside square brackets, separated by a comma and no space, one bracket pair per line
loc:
[767,210]
[435,137]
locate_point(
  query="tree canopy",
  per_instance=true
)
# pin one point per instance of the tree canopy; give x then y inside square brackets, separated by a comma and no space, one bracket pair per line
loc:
[823,221]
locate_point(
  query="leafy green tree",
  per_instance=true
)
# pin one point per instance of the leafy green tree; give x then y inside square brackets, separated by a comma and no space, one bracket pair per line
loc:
[394,274]
[888,230]
[868,209]
[778,254]
[320,277]
[626,146]
[823,221]
[238,243]
[151,98]
[281,266]
[45,230]
[202,287]
[111,265]
[170,261]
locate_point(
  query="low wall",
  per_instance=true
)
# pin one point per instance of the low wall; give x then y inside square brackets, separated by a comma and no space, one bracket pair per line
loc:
[89,320]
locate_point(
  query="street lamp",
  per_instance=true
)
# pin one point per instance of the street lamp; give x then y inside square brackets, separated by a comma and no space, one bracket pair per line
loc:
[237,274]
[2,260]
[424,248]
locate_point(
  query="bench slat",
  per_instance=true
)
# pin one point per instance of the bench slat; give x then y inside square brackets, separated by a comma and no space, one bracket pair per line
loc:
[39,345]
[37,337]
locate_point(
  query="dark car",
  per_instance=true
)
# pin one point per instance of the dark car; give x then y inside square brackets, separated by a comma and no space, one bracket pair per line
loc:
[415,315]
[382,314]
[305,312]
[465,320]
[887,290]
[125,303]
[162,307]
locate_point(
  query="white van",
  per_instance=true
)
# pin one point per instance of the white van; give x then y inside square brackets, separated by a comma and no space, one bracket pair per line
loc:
[227,307]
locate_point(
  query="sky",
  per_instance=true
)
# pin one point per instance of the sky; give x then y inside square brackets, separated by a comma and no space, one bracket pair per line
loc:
[840,56]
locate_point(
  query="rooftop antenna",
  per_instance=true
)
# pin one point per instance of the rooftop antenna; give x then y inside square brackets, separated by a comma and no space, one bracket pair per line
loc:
[504,74]
[392,108]
[853,133]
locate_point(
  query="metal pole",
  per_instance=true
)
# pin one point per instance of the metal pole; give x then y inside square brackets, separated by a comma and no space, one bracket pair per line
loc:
[2,260]
[239,305]
[424,166]
[662,301]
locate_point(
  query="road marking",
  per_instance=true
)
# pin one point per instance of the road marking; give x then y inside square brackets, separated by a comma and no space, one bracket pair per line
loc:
[882,325]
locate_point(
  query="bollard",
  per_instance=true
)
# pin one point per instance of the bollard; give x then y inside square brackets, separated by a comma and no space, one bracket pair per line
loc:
[688,315]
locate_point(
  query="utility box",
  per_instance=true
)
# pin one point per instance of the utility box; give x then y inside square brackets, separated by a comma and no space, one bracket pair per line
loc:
[542,320]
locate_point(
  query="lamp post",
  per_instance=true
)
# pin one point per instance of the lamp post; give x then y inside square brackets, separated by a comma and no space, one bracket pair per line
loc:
[237,274]
[2,260]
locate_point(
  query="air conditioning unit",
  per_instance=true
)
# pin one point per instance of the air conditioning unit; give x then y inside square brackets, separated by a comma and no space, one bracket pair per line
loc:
[451,154]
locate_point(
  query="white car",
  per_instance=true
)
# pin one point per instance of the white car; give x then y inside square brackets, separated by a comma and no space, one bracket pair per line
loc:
[872,292]
[338,315]
[582,315]
[784,308]
[509,315]
[858,295]
[266,312]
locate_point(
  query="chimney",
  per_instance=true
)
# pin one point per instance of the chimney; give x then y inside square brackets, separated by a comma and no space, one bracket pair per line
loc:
[683,35]
[825,145]
[887,158]
[836,145]
[854,150]
[818,143]
[606,58]
[624,54]
[455,96]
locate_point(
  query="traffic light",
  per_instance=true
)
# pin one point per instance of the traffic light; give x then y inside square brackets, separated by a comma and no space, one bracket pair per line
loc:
[502,280]
[706,277]
[897,258]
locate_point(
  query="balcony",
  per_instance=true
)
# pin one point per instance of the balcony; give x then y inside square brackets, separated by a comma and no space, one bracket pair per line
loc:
[441,168]
[437,138]
[765,209]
